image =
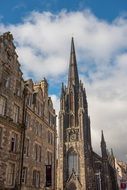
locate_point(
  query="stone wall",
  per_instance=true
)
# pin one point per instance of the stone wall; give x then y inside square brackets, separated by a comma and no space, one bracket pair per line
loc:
[27,125]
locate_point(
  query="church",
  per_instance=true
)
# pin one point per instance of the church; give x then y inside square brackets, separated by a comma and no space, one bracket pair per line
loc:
[79,167]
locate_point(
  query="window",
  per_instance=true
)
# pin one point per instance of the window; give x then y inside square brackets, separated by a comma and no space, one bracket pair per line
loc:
[0,136]
[2,105]
[37,109]
[29,99]
[73,163]
[26,147]
[37,152]
[13,142]
[71,101]
[18,88]
[49,158]
[41,110]
[24,175]
[51,119]
[36,178]
[10,174]
[71,120]
[71,186]
[33,122]
[98,180]
[54,120]
[28,120]
[6,81]
[16,114]
[37,127]
[50,137]
[40,130]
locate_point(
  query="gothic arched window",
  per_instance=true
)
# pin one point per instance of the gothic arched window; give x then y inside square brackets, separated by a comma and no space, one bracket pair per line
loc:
[71,186]
[71,120]
[73,163]
[71,101]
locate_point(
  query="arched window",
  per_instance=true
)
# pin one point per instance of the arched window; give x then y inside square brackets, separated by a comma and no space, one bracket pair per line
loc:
[71,101]
[71,186]
[73,163]
[71,120]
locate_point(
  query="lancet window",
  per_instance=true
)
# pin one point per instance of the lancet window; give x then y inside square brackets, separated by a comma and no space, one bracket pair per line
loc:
[73,163]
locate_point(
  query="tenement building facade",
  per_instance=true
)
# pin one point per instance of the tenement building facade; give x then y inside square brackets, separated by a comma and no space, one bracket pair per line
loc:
[27,127]
[79,167]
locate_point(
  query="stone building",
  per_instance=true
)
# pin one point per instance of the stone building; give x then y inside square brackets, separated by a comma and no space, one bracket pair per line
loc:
[27,126]
[121,168]
[79,167]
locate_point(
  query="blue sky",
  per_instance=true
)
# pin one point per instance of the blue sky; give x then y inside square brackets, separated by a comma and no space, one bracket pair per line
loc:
[42,32]
[13,11]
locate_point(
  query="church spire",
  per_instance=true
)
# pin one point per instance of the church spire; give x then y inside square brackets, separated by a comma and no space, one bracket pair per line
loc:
[102,138]
[103,146]
[73,78]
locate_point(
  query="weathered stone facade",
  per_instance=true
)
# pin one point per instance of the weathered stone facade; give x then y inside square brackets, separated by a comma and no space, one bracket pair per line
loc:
[28,132]
[79,168]
[27,126]
[121,168]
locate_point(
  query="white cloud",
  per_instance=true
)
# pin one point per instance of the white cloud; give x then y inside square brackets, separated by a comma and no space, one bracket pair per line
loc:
[43,45]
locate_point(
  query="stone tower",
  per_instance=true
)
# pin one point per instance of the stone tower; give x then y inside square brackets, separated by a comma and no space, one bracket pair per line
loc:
[75,162]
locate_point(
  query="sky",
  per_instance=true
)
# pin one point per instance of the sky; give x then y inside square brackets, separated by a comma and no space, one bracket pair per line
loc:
[42,32]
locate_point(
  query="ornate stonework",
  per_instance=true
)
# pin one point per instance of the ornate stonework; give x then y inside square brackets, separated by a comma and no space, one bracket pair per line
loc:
[77,163]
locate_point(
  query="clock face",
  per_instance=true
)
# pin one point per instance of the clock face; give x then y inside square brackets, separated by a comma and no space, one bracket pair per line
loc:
[73,136]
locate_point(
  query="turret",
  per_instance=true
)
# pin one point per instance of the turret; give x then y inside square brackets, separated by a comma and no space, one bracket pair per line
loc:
[44,87]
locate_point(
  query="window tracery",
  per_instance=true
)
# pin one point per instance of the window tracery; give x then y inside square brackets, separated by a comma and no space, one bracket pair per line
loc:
[73,163]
